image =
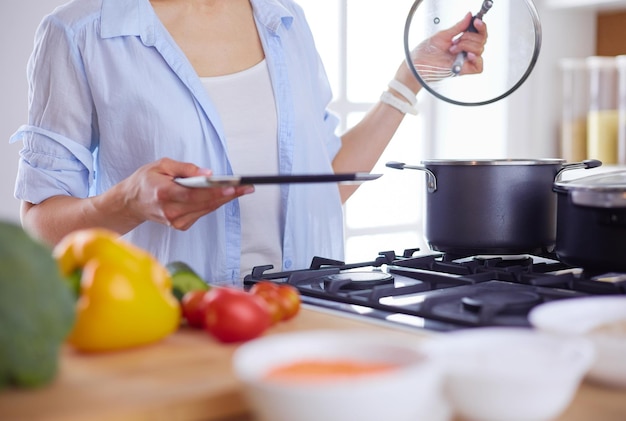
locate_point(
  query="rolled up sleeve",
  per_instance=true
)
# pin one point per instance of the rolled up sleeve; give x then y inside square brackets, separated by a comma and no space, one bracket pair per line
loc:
[58,142]
[50,165]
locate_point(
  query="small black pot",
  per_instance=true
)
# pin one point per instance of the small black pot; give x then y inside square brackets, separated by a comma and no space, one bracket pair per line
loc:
[492,206]
[591,222]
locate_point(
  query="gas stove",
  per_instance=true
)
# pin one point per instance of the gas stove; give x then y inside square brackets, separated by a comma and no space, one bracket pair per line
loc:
[441,292]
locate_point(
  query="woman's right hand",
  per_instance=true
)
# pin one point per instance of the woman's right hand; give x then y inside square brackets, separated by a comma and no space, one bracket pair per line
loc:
[150,194]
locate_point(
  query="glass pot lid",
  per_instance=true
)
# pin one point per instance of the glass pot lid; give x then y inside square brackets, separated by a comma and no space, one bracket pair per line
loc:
[610,181]
[511,51]
[606,190]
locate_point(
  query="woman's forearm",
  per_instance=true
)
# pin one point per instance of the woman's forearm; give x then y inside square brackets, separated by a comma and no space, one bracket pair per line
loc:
[363,144]
[52,219]
[149,194]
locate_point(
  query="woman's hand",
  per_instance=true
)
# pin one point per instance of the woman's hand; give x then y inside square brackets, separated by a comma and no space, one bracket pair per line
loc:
[151,194]
[433,58]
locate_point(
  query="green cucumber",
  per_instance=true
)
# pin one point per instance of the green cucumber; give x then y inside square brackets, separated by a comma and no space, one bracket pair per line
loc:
[184,279]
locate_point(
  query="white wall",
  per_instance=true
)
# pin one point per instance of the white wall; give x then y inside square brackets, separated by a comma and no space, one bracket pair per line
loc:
[534,109]
[18,21]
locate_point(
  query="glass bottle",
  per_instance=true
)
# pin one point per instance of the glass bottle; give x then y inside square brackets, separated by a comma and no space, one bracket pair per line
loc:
[602,119]
[621,102]
[575,103]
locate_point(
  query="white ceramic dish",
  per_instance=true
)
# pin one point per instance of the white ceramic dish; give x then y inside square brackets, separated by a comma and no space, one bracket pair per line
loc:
[411,392]
[512,374]
[601,319]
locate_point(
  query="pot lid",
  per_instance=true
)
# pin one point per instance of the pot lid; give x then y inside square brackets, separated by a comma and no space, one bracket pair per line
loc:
[606,190]
[608,181]
[514,41]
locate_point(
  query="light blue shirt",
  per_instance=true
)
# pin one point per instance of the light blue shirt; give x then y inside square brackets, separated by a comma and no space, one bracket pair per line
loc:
[111,91]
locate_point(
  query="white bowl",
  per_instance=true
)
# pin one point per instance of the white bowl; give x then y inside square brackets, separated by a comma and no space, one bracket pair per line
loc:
[601,319]
[410,392]
[512,374]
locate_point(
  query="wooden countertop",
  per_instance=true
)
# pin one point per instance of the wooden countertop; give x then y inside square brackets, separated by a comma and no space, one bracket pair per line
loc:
[188,377]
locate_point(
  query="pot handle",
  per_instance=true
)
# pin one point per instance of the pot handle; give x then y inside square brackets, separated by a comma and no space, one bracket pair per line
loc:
[586,164]
[431,180]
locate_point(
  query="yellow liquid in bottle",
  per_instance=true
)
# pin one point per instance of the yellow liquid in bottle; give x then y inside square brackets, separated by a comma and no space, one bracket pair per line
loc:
[574,139]
[602,134]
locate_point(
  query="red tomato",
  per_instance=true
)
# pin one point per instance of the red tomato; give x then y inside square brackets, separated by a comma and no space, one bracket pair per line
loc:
[282,299]
[268,291]
[193,308]
[234,316]
[272,301]
[289,300]
[264,286]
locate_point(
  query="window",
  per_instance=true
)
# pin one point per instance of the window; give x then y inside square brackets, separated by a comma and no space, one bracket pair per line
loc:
[361,44]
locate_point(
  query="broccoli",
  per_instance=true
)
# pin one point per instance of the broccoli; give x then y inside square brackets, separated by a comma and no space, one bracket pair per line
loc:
[37,310]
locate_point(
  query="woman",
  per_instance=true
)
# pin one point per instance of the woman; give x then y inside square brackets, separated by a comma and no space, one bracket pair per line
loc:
[126,95]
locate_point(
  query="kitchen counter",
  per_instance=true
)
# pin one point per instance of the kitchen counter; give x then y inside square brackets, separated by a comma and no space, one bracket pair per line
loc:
[188,377]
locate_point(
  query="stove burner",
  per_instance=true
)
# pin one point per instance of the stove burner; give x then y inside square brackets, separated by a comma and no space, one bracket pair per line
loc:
[356,280]
[503,301]
[440,291]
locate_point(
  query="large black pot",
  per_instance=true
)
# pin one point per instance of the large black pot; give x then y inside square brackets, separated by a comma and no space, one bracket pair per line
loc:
[591,221]
[491,206]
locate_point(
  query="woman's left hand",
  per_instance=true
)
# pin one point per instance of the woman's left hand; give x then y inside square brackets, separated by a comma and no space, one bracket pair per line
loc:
[433,58]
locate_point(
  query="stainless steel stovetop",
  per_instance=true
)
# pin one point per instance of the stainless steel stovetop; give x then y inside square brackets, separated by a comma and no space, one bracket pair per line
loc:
[438,292]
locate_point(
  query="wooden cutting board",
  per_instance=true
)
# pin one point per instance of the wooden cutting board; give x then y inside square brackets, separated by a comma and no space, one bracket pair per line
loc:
[186,377]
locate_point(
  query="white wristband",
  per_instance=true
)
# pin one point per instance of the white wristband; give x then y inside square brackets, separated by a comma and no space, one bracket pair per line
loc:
[402,106]
[400,88]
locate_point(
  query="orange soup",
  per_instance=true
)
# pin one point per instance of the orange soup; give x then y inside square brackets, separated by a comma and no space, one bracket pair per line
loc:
[310,370]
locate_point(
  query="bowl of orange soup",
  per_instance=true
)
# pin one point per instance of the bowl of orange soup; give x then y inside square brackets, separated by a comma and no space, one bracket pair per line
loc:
[339,375]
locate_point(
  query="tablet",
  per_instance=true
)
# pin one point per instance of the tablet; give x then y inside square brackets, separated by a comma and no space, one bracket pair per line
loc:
[237,180]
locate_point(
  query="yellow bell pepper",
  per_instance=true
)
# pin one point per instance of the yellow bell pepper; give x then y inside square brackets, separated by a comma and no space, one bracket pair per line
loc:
[125,296]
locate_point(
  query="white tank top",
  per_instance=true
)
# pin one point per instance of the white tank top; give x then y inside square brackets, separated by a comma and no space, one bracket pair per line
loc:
[245,102]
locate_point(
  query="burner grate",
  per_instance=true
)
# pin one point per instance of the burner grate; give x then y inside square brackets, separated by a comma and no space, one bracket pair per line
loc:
[460,292]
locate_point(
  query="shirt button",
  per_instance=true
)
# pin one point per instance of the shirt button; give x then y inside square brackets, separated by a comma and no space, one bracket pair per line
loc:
[287,264]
